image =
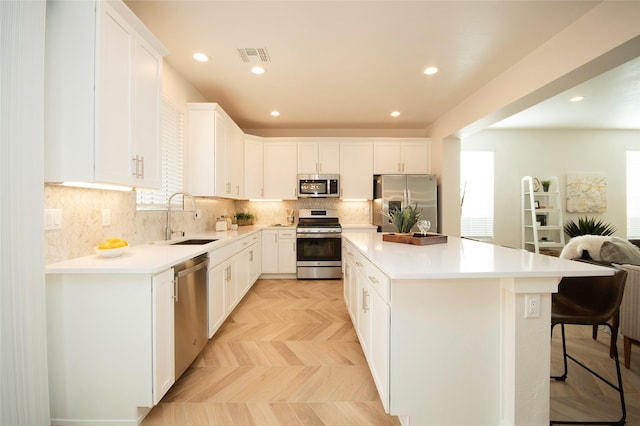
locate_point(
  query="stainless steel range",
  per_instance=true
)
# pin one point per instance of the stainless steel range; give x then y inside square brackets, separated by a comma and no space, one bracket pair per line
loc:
[318,244]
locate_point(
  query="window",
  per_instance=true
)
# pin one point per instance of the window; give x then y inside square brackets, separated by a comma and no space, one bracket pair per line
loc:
[171,135]
[476,194]
[633,194]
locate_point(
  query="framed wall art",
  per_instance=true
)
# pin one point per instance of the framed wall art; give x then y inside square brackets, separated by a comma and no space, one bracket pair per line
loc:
[586,192]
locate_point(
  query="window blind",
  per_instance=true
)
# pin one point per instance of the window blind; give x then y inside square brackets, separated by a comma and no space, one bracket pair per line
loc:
[476,194]
[171,137]
[633,194]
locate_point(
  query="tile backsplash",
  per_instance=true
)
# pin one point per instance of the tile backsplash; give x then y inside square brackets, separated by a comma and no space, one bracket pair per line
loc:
[82,227]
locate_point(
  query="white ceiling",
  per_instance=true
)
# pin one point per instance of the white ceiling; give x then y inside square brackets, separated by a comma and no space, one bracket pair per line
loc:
[348,64]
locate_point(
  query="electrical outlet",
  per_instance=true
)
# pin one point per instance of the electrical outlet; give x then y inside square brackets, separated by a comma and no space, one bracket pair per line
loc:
[52,219]
[532,306]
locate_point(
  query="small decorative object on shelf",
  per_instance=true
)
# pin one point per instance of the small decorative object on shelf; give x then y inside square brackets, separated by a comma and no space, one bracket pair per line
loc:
[545,185]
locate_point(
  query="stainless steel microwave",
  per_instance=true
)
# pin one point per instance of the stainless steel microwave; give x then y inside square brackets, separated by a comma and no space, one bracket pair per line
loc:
[318,186]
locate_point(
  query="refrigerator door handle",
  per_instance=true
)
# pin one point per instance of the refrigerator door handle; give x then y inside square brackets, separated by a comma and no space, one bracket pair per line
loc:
[408,197]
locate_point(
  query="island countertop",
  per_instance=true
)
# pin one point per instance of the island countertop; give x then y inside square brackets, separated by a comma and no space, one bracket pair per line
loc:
[463,258]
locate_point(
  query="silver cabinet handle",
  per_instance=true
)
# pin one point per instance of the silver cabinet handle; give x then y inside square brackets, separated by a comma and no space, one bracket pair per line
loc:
[175,290]
[373,279]
[365,304]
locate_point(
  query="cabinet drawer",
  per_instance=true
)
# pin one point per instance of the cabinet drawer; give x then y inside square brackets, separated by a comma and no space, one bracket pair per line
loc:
[287,234]
[379,282]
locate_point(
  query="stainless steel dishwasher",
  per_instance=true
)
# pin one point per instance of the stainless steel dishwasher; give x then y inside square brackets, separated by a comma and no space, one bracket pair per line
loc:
[190,294]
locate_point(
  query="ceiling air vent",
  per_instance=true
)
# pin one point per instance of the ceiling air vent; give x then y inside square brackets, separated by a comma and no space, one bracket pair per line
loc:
[254,54]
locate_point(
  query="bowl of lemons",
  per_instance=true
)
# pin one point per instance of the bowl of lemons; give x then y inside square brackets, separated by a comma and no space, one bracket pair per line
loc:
[112,247]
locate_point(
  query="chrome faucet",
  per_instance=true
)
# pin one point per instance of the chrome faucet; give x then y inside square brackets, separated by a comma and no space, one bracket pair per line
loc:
[184,194]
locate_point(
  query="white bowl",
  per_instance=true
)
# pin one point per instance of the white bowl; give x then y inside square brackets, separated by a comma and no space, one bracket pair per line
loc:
[114,252]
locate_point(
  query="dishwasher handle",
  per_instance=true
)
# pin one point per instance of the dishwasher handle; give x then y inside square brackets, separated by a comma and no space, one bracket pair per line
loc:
[192,269]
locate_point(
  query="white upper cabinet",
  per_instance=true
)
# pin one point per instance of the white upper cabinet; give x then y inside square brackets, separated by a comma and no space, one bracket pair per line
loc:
[280,173]
[356,170]
[253,167]
[406,157]
[216,153]
[102,95]
[318,157]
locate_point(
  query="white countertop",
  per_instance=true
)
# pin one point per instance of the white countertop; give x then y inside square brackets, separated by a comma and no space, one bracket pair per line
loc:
[463,258]
[149,258]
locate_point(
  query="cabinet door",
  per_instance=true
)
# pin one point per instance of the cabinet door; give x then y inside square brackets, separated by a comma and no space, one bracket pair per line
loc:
[235,160]
[270,251]
[379,345]
[386,158]
[363,310]
[280,170]
[329,157]
[163,334]
[216,298]
[347,283]
[415,157]
[230,284]
[253,168]
[356,170]
[201,161]
[145,143]
[222,185]
[114,99]
[287,252]
[318,157]
[308,157]
[255,264]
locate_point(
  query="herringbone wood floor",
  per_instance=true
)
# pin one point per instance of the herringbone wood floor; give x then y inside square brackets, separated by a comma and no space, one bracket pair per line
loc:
[584,397]
[288,355]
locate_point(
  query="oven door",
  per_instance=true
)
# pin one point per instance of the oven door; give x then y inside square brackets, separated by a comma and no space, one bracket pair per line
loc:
[319,256]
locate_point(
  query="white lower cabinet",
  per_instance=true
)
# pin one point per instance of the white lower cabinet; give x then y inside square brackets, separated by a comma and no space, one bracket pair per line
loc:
[367,297]
[232,272]
[364,313]
[110,345]
[216,297]
[379,343]
[163,334]
[279,251]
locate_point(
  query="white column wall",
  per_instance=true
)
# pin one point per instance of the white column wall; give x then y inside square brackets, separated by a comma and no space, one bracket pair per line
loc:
[24,397]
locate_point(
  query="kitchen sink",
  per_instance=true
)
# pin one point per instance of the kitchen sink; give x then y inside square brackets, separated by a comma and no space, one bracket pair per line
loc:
[193,242]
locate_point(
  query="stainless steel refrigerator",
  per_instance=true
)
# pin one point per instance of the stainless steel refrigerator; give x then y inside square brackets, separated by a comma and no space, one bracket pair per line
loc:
[397,191]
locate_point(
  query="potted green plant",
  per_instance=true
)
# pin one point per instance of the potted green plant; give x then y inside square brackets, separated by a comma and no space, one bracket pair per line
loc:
[545,185]
[588,226]
[244,218]
[404,218]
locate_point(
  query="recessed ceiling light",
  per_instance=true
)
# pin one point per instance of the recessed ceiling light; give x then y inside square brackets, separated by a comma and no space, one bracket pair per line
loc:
[395,114]
[200,57]
[257,70]
[577,99]
[431,70]
[275,113]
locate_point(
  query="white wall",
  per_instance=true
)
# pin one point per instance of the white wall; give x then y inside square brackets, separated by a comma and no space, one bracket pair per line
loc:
[24,397]
[554,153]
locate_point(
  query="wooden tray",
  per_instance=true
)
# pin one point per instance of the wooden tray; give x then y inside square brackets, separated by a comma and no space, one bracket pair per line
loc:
[415,239]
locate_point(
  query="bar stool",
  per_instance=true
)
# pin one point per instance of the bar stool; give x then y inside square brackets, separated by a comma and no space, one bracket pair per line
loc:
[590,301]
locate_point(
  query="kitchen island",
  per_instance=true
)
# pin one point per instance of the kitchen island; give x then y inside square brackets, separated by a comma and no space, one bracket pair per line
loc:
[456,333]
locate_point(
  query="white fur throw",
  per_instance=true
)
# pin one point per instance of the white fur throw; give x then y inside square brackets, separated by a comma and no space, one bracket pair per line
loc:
[590,243]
